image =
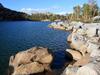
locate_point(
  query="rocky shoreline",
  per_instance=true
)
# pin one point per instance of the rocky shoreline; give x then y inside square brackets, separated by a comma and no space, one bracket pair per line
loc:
[85,49]
[84,41]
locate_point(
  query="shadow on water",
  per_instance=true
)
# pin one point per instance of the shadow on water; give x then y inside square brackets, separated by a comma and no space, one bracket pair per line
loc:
[61,57]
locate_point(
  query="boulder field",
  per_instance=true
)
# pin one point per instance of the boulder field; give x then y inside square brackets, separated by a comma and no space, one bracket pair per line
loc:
[84,41]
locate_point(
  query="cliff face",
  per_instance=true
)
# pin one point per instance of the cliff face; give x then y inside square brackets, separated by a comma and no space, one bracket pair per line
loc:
[8,14]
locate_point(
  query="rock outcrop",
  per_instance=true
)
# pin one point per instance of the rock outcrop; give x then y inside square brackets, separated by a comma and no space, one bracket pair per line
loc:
[66,25]
[76,54]
[31,61]
[59,25]
[85,39]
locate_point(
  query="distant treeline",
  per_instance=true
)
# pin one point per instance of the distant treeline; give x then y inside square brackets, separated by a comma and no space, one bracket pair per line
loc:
[85,13]
[8,14]
[46,17]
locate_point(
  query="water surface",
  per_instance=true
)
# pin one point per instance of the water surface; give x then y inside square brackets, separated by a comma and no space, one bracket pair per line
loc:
[21,35]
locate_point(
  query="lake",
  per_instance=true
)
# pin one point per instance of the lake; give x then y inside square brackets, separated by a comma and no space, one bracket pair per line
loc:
[21,35]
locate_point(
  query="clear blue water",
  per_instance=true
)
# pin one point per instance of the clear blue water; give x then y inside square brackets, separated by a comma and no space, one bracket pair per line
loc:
[21,35]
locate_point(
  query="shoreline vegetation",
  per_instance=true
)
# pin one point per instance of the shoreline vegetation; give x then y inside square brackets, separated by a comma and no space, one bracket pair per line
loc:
[85,13]
[11,15]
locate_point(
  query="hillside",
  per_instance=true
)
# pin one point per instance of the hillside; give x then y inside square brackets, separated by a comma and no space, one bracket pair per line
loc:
[8,14]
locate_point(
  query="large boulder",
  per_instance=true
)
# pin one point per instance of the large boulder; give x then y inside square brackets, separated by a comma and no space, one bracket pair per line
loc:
[21,58]
[69,38]
[94,39]
[81,31]
[95,53]
[91,32]
[83,61]
[30,68]
[75,54]
[78,42]
[88,69]
[32,58]
[92,47]
[76,25]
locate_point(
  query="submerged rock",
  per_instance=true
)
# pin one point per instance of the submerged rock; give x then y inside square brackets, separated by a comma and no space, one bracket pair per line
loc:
[34,60]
